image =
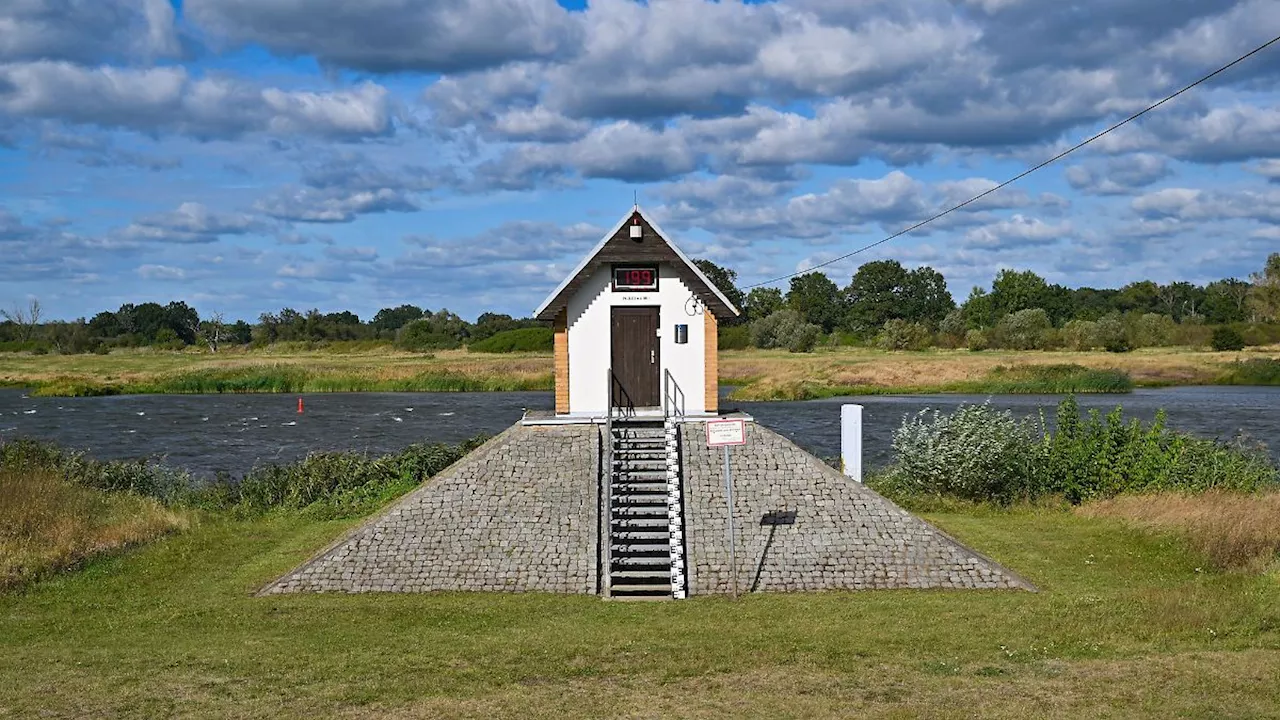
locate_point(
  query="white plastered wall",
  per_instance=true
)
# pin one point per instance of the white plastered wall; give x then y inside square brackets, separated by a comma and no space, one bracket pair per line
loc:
[590,343]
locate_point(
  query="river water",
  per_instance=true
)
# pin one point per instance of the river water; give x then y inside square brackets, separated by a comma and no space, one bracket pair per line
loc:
[208,434]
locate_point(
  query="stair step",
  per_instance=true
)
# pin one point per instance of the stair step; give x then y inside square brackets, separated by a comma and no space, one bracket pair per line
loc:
[639,486]
[650,561]
[651,505]
[637,575]
[636,592]
[655,535]
[643,463]
[661,522]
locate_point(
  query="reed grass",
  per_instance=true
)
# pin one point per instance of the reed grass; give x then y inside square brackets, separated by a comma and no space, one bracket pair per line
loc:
[1254,371]
[48,523]
[1057,379]
[293,379]
[1235,531]
[758,374]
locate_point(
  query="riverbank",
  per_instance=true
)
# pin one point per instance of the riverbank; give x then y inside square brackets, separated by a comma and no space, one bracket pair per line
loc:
[755,374]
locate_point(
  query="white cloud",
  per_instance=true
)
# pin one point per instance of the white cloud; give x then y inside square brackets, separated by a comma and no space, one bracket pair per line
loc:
[167,99]
[161,272]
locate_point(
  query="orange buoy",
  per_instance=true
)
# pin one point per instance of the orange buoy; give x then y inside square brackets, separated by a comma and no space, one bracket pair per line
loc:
[299,406]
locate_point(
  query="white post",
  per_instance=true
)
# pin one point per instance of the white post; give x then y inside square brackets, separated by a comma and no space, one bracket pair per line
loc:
[851,441]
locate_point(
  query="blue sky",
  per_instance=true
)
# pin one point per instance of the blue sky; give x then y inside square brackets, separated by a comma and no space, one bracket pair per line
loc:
[246,155]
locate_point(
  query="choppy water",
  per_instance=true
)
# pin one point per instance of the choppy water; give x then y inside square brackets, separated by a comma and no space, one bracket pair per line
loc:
[230,433]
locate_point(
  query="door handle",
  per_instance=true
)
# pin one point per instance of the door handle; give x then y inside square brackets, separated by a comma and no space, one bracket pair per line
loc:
[652,358]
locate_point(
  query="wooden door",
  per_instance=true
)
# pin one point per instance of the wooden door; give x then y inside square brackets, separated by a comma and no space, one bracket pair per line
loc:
[636,357]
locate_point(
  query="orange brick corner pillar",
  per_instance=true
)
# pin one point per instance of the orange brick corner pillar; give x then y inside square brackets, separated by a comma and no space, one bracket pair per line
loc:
[561,329]
[711,362]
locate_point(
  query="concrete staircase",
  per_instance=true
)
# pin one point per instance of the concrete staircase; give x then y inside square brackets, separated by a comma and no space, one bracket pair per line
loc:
[646,529]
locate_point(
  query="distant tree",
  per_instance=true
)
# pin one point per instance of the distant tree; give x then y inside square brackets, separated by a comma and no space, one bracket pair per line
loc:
[876,295]
[392,319]
[442,330]
[26,318]
[490,324]
[785,329]
[1091,303]
[763,302]
[977,309]
[1112,334]
[1022,330]
[952,329]
[1264,298]
[105,325]
[925,297]
[1226,301]
[213,331]
[181,318]
[899,334]
[817,299]
[1179,299]
[146,321]
[346,317]
[1013,291]
[1142,296]
[726,281]
[241,333]
[1226,338]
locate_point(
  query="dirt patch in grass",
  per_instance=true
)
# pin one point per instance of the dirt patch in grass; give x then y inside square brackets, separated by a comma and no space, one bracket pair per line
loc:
[47,524]
[1236,531]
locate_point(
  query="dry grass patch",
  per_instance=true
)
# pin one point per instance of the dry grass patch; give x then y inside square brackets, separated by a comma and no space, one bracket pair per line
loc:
[1236,531]
[48,523]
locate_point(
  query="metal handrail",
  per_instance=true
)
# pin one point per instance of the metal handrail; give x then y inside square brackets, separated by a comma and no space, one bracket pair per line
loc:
[673,398]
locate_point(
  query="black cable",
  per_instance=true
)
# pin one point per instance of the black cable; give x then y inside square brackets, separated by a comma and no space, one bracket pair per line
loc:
[1027,172]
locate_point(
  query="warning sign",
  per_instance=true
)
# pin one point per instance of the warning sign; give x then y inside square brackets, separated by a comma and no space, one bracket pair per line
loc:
[726,432]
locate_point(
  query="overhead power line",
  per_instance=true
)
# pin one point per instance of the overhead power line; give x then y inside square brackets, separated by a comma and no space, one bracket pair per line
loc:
[1028,171]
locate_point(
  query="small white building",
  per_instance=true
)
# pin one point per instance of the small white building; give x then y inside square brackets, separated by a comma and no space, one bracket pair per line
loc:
[636,328]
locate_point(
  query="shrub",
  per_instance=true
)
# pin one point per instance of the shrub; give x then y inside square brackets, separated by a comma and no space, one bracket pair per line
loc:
[1022,330]
[734,337]
[534,339]
[952,329]
[420,336]
[1112,335]
[976,340]
[785,329]
[974,453]
[1152,330]
[899,334]
[1226,338]
[1080,335]
[325,485]
[978,453]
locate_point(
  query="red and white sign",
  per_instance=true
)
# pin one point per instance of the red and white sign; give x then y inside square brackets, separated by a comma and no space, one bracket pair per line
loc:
[726,432]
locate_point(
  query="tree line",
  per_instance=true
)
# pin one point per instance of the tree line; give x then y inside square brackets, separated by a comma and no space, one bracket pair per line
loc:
[889,305]
[884,304]
[177,325]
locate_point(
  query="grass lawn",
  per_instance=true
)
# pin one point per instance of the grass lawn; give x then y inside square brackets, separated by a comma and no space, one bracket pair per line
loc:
[760,374]
[1126,625]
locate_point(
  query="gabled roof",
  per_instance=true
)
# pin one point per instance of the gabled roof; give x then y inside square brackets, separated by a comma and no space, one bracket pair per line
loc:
[654,246]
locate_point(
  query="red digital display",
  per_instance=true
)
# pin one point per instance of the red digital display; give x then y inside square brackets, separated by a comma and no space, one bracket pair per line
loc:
[635,278]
